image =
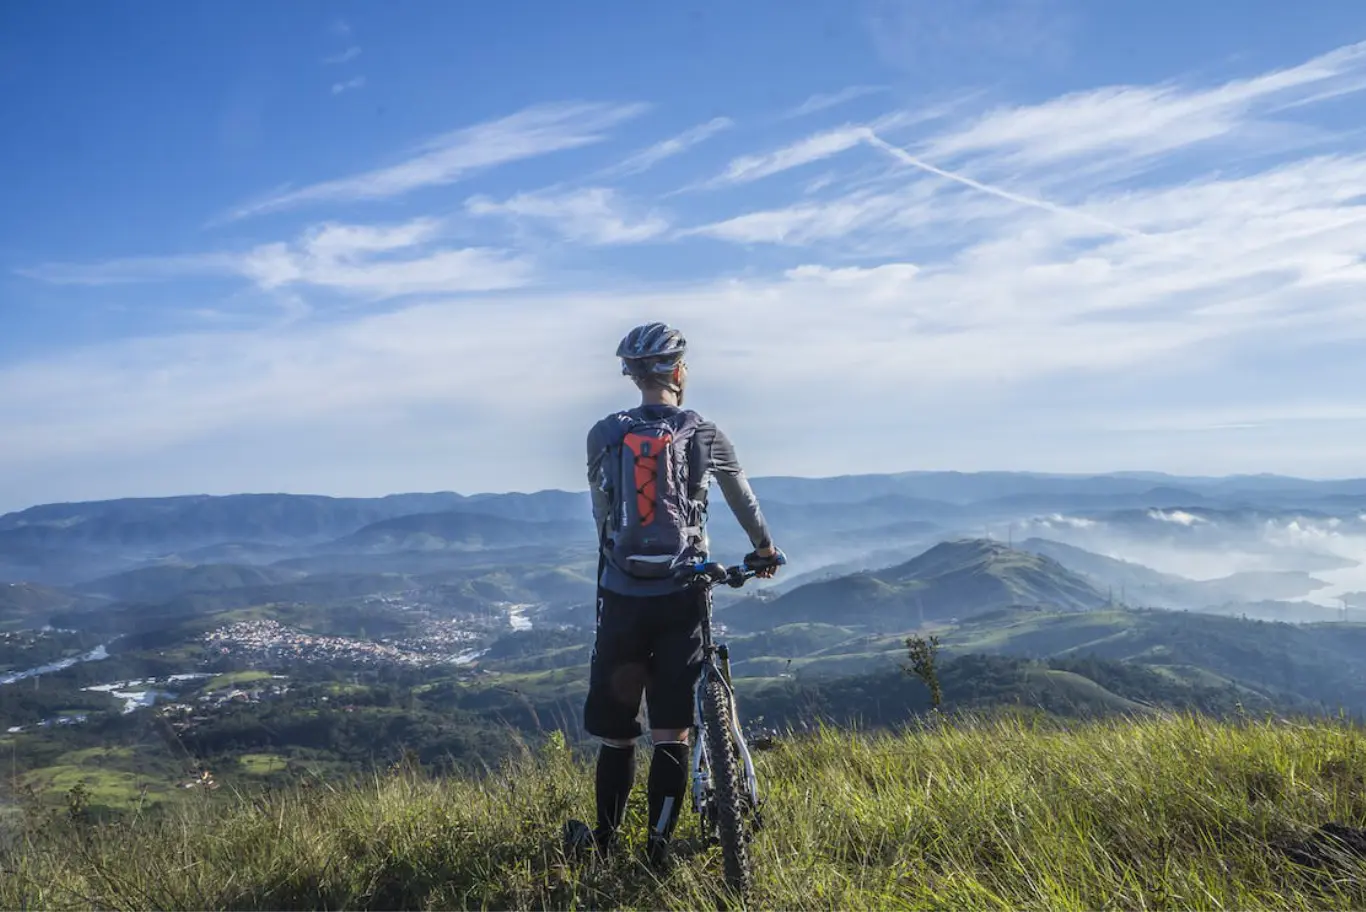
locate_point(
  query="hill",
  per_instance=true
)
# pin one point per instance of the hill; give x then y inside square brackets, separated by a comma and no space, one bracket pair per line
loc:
[1320,665]
[956,579]
[1004,813]
[1065,688]
[157,584]
[31,605]
[454,530]
[1142,585]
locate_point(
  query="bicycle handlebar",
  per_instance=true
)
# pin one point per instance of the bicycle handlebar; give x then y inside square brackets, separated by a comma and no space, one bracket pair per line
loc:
[710,573]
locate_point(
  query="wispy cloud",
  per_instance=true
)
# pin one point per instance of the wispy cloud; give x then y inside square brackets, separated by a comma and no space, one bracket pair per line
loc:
[649,157]
[345,56]
[906,158]
[1140,121]
[592,215]
[821,102]
[534,131]
[815,148]
[354,259]
[351,84]
[804,223]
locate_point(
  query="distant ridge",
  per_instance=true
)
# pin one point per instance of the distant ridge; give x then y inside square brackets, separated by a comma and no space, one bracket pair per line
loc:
[956,579]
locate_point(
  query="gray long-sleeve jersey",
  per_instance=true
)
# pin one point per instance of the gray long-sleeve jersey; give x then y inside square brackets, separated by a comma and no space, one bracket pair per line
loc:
[710,456]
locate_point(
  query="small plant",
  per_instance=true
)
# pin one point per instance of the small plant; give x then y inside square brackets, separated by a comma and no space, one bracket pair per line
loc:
[78,803]
[554,745]
[922,652]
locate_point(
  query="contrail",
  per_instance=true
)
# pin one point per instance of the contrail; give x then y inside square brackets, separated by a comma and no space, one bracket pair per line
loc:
[905,157]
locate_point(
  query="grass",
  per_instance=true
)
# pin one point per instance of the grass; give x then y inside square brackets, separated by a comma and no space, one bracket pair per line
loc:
[110,788]
[262,764]
[97,756]
[1083,688]
[1164,812]
[235,679]
[338,689]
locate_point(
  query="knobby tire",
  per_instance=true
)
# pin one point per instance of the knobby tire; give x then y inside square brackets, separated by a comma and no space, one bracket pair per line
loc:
[726,775]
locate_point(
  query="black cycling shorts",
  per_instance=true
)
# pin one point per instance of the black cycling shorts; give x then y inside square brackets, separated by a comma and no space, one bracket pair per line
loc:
[650,645]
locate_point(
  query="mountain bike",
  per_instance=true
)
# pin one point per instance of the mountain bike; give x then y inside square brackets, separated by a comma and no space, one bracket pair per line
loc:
[725,789]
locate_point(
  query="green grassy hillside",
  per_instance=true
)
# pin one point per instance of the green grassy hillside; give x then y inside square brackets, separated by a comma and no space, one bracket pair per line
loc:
[1166,812]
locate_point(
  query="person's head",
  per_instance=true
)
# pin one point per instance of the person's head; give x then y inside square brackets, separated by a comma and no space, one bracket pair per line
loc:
[652,356]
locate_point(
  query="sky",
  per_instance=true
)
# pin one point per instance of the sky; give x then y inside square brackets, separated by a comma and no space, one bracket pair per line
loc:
[355,248]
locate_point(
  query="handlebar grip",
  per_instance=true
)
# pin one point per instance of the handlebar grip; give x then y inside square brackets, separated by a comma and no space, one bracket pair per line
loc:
[754,562]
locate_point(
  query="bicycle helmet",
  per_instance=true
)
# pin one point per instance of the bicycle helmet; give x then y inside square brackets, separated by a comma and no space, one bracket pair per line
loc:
[651,352]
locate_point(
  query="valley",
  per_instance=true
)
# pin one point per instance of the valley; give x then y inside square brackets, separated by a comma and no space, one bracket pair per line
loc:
[268,639]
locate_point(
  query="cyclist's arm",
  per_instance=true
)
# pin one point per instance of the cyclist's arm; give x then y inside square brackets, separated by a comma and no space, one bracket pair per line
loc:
[602,507]
[735,487]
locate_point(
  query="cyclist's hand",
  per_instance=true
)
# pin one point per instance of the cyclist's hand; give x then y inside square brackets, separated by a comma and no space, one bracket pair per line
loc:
[765,561]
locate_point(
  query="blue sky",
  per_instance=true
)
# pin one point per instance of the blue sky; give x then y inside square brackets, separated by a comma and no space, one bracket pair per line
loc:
[356,248]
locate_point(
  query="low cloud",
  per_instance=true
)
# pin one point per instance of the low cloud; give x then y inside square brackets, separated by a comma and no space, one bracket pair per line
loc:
[375,261]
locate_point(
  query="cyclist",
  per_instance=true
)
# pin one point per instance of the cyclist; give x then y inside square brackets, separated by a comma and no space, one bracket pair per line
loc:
[649,468]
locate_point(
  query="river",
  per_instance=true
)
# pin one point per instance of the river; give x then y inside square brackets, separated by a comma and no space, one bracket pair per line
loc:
[98,653]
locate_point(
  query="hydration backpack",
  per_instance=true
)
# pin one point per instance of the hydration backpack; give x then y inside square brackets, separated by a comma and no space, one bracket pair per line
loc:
[655,519]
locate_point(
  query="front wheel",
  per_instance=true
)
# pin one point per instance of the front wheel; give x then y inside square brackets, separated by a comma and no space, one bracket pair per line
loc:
[726,772]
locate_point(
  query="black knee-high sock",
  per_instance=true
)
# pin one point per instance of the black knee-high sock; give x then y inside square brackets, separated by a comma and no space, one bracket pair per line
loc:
[615,774]
[668,786]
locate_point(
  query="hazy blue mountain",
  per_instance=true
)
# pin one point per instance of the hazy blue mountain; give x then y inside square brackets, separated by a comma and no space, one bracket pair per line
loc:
[456,530]
[181,522]
[58,566]
[976,487]
[250,553]
[157,584]
[837,516]
[1138,585]
[1107,571]
[542,506]
[1073,502]
[439,563]
[850,523]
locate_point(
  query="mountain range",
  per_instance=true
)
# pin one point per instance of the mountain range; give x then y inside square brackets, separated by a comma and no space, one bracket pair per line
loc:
[886,547]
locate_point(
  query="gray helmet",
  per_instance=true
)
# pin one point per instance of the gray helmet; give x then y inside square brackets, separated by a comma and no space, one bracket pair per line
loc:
[652,350]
